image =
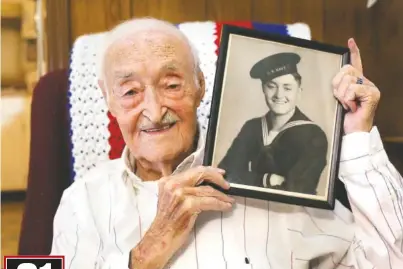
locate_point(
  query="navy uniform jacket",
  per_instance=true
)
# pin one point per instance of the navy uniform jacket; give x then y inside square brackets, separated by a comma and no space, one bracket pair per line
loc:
[297,153]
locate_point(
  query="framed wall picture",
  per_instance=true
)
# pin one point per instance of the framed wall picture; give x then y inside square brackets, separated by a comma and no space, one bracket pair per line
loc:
[275,125]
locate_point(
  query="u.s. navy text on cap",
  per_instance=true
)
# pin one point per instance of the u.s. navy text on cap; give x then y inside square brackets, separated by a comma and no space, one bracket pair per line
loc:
[275,65]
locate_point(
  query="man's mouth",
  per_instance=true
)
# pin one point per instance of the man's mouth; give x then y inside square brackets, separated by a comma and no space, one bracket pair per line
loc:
[159,129]
[280,102]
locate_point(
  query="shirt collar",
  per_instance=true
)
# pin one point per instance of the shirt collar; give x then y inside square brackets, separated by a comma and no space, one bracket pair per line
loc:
[194,159]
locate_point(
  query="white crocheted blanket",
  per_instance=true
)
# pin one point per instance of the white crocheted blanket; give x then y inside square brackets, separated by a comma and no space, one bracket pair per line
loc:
[94,133]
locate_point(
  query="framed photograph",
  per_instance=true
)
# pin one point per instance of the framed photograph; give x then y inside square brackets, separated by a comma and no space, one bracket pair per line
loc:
[275,125]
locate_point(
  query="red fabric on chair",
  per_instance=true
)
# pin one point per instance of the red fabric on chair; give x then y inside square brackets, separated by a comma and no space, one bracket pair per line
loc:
[49,162]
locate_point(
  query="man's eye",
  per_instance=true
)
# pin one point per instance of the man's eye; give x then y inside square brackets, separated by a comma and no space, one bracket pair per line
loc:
[173,86]
[287,89]
[130,93]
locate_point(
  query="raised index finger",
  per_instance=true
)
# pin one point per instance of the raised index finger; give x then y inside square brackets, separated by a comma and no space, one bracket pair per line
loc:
[355,55]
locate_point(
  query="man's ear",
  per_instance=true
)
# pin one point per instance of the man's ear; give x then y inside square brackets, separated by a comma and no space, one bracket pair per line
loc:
[101,84]
[202,87]
[299,94]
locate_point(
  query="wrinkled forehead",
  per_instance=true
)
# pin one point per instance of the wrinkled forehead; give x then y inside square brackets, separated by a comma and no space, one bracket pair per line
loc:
[148,48]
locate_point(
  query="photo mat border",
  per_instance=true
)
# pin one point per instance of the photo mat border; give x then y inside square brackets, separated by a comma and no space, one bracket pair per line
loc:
[274,195]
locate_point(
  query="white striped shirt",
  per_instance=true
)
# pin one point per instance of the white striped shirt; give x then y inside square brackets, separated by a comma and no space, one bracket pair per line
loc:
[104,215]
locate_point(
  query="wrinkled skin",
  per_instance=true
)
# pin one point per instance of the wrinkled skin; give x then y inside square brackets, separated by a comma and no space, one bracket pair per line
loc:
[153,91]
[360,100]
[150,76]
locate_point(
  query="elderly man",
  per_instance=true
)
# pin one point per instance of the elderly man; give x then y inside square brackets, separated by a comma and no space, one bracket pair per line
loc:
[147,209]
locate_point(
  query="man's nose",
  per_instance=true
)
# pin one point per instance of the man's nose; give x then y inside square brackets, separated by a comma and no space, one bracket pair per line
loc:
[153,109]
[279,93]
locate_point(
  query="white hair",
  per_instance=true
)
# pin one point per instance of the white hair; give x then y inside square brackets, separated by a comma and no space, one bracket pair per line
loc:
[133,26]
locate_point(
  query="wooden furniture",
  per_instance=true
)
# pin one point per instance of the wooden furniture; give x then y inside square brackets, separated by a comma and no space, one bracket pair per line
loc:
[18,77]
[19,44]
[15,138]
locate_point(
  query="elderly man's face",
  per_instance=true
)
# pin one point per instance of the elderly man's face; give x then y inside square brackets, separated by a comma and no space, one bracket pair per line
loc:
[153,94]
[282,94]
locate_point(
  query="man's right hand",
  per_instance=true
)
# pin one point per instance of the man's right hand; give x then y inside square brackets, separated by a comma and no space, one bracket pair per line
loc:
[180,201]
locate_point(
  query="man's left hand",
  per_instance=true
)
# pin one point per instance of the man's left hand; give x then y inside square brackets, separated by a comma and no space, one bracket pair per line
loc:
[358,95]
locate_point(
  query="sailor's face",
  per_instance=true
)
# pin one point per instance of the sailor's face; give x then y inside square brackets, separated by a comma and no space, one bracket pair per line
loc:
[282,94]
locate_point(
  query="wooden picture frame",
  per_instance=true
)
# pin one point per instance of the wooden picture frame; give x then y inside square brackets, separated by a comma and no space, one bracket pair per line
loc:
[275,125]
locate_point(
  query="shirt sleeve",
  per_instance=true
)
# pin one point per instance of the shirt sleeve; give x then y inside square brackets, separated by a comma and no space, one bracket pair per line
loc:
[375,191]
[76,238]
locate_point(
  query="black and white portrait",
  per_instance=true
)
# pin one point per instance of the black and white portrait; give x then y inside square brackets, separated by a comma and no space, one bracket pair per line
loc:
[277,120]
